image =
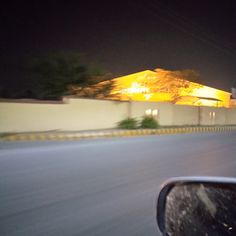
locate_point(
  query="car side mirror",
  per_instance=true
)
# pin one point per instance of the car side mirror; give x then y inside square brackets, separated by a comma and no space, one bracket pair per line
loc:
[197,206]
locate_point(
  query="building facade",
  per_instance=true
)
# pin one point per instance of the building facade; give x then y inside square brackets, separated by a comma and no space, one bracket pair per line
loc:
[167,86]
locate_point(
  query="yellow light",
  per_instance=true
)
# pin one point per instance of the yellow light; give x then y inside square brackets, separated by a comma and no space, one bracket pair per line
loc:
[151,86]
[155,112]
[148,112]
[205,92]
[147,96]
[135,88]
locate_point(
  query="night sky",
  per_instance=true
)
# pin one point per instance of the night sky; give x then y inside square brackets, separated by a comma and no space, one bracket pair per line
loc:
[124,37]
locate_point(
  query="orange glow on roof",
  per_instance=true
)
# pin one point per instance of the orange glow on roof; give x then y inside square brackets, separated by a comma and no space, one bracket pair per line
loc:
[159,86]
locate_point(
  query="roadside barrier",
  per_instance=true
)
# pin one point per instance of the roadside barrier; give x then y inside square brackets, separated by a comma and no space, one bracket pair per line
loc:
[57,136]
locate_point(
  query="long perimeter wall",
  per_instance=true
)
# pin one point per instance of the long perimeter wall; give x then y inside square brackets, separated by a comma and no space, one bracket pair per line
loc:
[88,114]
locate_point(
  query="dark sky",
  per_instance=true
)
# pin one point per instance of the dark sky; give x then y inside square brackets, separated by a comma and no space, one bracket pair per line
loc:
[125,37]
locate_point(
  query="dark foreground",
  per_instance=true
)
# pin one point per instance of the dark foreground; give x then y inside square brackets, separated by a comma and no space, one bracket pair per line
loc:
[100,187]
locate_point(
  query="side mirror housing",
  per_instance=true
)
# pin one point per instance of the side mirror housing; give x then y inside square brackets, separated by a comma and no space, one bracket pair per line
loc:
[197,206]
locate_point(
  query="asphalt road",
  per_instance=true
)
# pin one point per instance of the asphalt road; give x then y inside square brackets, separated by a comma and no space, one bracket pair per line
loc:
[100,187]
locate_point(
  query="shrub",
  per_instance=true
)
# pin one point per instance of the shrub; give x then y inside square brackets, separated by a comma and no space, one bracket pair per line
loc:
[129,123]
[149,123]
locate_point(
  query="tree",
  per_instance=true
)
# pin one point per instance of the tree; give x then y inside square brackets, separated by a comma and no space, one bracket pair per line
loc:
[98,90]
[175,83]
[61,74]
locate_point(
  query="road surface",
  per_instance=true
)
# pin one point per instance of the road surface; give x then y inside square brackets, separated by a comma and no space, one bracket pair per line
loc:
[100,187]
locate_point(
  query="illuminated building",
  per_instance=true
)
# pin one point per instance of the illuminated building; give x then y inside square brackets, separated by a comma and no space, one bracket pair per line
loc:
[167,86]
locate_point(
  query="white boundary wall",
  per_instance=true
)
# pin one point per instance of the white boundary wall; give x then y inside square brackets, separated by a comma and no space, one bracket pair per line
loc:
[87,114]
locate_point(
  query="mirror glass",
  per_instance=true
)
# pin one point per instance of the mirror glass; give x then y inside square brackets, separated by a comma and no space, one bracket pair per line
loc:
[201,209]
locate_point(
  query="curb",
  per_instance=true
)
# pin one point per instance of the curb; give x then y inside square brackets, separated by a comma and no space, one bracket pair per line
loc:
[118,133]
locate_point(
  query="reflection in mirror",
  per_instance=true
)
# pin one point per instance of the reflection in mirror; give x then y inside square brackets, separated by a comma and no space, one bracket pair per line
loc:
[201,209]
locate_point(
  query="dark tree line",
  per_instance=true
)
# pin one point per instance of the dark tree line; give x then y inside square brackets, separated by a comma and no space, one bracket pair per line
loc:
[56,75]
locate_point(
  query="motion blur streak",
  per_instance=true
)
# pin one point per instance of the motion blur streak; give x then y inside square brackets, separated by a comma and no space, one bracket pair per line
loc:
[100,187]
